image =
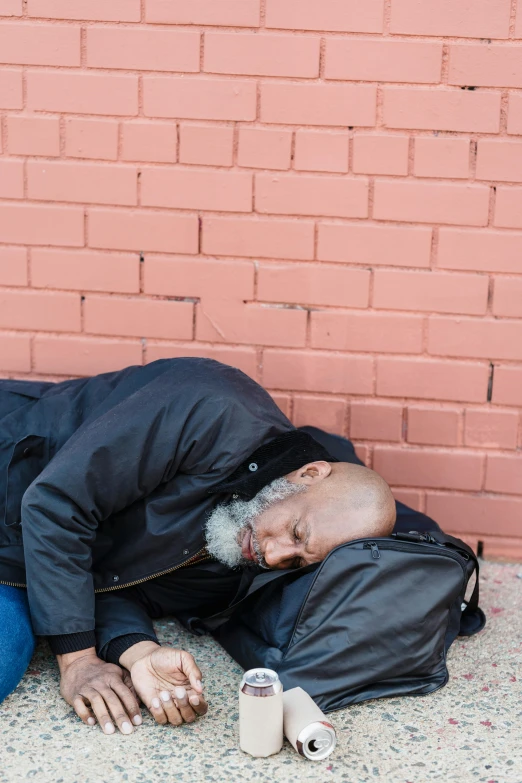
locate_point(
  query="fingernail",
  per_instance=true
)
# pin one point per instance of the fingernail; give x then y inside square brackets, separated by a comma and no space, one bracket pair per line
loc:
[180,692]
[194,700]
[156,703]
[165,696]
[126,727]
[91,721]
[137,720]
[109,728]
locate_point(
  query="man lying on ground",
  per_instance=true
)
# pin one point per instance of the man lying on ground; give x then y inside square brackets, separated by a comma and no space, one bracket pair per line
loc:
[147,492]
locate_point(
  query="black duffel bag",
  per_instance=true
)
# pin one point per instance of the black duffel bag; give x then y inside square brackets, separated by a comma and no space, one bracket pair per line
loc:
[374,619]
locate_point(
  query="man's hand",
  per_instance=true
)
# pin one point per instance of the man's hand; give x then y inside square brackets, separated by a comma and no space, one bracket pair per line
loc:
[167,680]
[96,690]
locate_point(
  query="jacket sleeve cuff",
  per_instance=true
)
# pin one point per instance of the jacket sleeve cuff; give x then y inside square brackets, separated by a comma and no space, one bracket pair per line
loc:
[72,642]
[118,646]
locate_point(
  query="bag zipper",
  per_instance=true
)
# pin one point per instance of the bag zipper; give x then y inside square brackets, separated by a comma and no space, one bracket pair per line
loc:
[391,545]
[199,557]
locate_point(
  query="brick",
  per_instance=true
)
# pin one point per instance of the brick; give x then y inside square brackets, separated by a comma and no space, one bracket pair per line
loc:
[149,142]
[410,497]
[373,244]
[11,8]
[143,49]
[252,324]
[367,332]
[94,10]
[373,154]
[442,110]
[313,284]
[432,379]
[206,144]
[199,278]
[228,13]
[82,182]
[310,195]
[479,65]
[264,148]
[499,160]
[433,426]
[261,54]
[375,421]
[83,356]
[414,467]
[11,178]
[39,44]
[508,208]
[507,386]
[283,402]
[483,339]
[113,315]
[507,296]
[504,474]
[502,548]
[514,123]
[13,266]
[319,104]
[320,151]
[373,60]
[476,513]
[228,191]
[258,237]
[34,136]
[427,202]
[199,98]
[441,157]
[430,291]
[468,19]
[491,429]
[15,353]
[364,453]
[244,359]
[49,311]
[82,92]
[481,251]
[85,271]
[32,224]
[91,139]
[164,232]
[327,413]
[317,372]
[336,15]
[11,93]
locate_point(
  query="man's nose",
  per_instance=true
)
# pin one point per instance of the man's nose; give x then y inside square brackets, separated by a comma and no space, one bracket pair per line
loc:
[277,552]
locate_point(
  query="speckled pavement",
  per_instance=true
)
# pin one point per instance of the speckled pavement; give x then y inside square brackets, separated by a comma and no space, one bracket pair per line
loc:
[469,731]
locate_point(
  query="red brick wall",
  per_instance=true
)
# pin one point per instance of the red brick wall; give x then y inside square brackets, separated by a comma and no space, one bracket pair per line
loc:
[325,193]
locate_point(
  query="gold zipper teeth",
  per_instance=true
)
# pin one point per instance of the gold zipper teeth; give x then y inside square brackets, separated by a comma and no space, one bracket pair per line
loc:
[199,557]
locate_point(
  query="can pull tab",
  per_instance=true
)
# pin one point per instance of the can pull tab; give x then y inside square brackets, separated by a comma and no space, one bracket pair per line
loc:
[260,676]
[375,549]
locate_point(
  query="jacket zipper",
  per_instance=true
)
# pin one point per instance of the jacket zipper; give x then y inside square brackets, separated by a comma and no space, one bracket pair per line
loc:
[199,557]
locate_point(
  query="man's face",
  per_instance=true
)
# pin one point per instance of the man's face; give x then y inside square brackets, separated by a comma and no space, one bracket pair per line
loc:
[286,525]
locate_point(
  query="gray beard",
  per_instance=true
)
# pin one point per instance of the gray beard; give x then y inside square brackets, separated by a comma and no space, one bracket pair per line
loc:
[227,519]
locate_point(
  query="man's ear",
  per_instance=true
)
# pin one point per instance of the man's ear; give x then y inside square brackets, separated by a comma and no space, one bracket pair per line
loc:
[310,473]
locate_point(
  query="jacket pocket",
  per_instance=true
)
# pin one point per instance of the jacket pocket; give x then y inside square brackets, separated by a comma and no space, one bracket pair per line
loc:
[29,458]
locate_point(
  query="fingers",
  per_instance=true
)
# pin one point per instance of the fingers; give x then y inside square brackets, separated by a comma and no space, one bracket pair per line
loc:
[117,711]
[83,711]
[129,701]
[100,710]
[184,706]
[198,703]
[192,671]
[170,709]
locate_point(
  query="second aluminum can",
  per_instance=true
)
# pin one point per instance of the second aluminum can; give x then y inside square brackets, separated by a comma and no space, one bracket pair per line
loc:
[261,713]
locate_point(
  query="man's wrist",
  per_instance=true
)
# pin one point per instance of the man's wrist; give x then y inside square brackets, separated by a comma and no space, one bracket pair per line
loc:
[65,660]
[137,651]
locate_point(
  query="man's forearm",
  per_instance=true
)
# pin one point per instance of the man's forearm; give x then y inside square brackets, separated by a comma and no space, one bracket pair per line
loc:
[137,651]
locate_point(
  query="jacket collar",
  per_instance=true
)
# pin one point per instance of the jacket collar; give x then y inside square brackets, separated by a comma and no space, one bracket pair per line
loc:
[270,461]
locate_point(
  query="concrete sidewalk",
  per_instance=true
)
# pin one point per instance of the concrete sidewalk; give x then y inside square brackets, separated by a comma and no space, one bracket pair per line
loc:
[468,731]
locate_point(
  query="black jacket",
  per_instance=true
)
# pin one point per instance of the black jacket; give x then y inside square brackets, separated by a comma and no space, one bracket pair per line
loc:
[107,482]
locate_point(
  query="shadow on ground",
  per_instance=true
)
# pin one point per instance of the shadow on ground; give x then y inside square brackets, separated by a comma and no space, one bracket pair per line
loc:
[468,731]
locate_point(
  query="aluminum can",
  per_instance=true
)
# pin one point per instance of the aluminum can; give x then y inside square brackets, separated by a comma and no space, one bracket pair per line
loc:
[306,727]
[261,713]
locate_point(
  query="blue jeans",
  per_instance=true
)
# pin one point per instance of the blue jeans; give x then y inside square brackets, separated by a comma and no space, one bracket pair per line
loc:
[16,638]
